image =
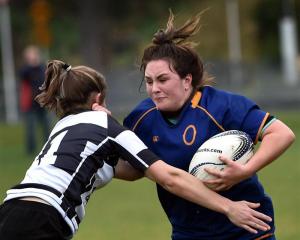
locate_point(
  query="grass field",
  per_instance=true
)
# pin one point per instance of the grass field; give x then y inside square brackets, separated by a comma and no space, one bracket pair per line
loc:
[131,211]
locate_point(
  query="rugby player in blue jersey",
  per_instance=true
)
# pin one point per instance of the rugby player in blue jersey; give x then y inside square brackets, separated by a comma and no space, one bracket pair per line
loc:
[181,113]
[77,159]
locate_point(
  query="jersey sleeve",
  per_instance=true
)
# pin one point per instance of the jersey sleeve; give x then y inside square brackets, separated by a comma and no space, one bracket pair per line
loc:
[129,121]
[244,115]
[233,111]
[129,146]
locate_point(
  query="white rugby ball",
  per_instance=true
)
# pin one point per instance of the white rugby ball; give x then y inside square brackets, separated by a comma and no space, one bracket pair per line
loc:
[235,145]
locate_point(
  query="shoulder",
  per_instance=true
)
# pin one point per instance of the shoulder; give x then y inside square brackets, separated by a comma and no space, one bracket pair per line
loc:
[220,99]
[144,105]
[93,115]
[233,111]
[98,118]
[141,110]
[211,94]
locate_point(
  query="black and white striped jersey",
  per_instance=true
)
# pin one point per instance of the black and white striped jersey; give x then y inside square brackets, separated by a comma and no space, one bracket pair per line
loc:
[73,162]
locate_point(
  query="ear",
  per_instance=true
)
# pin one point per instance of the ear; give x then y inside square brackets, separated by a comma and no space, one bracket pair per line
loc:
[98,98]
[188,80]
[95,98]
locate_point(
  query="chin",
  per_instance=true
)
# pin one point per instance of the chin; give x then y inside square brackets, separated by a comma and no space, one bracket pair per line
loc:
[164,108]
[160,108]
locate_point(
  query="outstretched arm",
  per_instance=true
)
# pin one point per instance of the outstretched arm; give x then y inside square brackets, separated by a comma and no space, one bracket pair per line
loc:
[187,186]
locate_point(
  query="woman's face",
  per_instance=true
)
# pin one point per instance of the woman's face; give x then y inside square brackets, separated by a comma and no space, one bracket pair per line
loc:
[165,87]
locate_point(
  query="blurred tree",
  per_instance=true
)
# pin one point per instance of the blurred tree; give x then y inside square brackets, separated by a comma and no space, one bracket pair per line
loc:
[110,28]
[267,15]
[108,32]
[97,31]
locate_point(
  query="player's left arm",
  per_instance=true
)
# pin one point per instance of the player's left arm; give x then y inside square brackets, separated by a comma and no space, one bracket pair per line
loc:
[275,139]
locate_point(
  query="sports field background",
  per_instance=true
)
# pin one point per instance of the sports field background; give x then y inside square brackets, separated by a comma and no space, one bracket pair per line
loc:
[131,211]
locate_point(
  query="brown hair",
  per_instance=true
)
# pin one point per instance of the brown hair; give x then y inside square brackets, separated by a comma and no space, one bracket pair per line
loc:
[67,89]
[172,45]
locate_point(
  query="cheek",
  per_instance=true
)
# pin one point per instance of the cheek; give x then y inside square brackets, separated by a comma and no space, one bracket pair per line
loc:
[148,89]
[177,90]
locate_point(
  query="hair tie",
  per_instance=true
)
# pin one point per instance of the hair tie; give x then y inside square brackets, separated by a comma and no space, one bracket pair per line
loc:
[67,67]
[161,37]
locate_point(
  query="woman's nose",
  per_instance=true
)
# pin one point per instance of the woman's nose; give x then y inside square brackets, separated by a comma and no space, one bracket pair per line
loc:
[155,87]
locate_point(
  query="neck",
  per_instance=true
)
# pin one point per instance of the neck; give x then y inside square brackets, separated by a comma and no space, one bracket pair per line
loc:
[75,111]
[176,113]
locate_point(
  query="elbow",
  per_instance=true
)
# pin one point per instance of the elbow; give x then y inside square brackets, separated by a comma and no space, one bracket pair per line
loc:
[290,137]
[282,133]
[129,177]
[135,177]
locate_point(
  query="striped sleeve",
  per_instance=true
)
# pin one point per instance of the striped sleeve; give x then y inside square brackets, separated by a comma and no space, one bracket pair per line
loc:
[129,146]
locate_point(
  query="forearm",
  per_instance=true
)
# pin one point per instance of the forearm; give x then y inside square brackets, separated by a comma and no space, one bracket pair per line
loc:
[187,186]
[192,189]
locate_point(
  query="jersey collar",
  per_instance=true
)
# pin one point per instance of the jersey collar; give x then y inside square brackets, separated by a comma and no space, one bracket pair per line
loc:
[196,99]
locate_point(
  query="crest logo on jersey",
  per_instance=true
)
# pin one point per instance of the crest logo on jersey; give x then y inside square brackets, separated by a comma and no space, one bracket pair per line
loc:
[155,138]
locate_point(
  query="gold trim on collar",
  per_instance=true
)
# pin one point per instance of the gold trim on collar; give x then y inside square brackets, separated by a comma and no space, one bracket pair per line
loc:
[196,99]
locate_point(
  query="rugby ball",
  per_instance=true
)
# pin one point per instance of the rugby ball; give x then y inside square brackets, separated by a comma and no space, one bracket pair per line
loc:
[235,145]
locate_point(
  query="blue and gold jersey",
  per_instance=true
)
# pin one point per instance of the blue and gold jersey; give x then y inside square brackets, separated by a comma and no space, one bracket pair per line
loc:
[210,112]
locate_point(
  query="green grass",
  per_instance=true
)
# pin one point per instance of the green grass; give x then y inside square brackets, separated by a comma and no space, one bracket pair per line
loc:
[130,210]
